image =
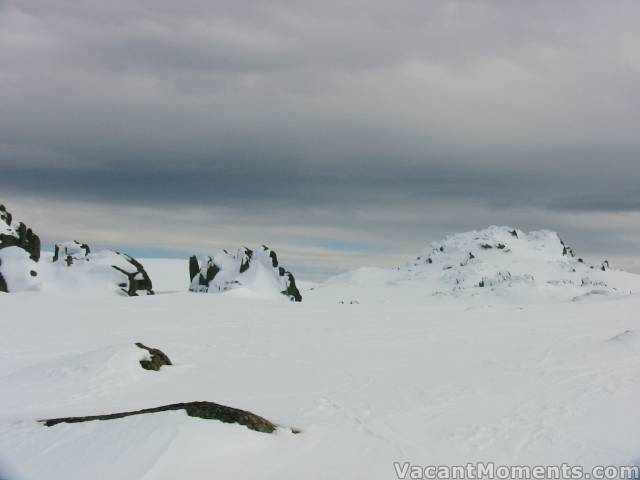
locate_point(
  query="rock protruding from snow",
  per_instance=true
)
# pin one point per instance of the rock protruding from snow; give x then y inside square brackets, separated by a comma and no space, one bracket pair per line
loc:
[18,235]
[19,252]
[205,410]
[71,252]
[155,358]
[257,270]
[74,266]
[498,264]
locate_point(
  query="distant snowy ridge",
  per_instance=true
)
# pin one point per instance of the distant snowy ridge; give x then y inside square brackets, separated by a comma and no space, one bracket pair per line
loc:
[254,272]
[497,264]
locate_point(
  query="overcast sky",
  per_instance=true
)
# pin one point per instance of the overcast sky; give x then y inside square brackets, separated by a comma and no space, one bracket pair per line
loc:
[340,133]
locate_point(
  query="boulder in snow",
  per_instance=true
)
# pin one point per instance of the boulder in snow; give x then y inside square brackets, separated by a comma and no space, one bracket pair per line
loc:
[156,358]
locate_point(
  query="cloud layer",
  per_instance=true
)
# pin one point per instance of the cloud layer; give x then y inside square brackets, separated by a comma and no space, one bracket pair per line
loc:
[320,125]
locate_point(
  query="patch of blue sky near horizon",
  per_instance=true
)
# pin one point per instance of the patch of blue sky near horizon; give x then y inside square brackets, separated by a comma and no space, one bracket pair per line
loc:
[345,246]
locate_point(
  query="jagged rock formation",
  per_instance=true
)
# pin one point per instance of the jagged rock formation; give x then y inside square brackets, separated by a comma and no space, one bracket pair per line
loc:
[19,252]
[71,252]
[138,279]
[257,270]
[206,410]
[155,360]
[18,235]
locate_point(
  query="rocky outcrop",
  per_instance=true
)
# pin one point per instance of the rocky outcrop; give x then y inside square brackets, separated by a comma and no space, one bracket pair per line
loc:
[155,360]
[18,235]
[19,252]
[137,278]
[205,410]
[73,261]
[71,252]
[257,270]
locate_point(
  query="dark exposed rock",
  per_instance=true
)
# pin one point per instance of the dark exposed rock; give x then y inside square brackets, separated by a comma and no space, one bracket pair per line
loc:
[19,236]
[205,410]
[514,233]
[3,283]
[567,250]
[486,246]
[605,266]
[137,277]
[205,274]
[292,290]
[157,360]
[272,255]
[194,267]
[5,216]
[246,260]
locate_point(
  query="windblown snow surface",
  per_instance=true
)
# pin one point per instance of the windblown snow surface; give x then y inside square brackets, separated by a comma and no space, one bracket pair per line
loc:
[540,365]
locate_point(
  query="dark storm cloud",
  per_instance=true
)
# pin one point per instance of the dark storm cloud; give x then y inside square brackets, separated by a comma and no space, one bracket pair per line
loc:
[528,110]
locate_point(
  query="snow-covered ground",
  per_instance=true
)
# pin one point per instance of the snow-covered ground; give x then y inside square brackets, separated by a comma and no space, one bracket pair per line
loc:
[376,366]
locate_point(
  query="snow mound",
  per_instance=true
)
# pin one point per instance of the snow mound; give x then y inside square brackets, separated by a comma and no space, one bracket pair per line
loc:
[494,264]
[110,370]
[253,273]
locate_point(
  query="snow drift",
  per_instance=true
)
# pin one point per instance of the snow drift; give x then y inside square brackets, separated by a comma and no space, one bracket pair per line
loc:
[256,272]
[494,264]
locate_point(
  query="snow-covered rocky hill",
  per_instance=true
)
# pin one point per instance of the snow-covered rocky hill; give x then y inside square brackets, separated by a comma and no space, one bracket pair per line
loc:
[498,264]
[254,273]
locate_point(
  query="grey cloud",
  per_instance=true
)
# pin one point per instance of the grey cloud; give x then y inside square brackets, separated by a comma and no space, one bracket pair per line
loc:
[520,112]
